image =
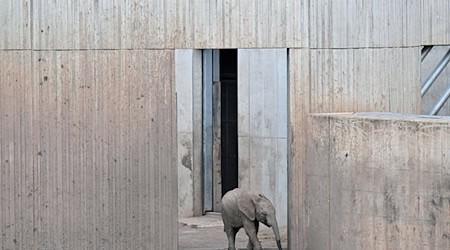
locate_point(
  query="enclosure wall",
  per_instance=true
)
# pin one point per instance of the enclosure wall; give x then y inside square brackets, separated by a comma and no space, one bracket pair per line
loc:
[88,128]
[87,137]
[386,188]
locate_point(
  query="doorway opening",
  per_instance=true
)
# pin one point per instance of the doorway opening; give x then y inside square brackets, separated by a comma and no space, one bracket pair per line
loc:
[232,109]
[229,123]
[220,126]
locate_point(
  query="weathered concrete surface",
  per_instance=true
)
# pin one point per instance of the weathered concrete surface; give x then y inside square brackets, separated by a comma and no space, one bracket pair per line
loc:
[435,22]
[87,150]
[206,232]
[183,83]
[377,181]
[262,124]
[342,80]
[189,141]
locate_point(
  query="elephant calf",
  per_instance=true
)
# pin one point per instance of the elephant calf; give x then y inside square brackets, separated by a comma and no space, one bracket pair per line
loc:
[242,208]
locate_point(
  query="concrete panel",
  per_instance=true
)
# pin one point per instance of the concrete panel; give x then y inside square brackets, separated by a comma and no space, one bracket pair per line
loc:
[138,24]
[317,230]
[281,183]
[266,171]
[263,166]
[282,93]
[183,79]
[263,91]
[17,153]
[148,24]
[188,81]
[185,176]
[78,24]
[336,80]
[197,130]
[246,75]
[217,163]
[169,24]
[225,24]
[262,124]
[386,197]
[373,23]
[242,24]
[244,162]
[299,107]
[15,28]
[435,22]
[374,79]
[113,24]
[88,161]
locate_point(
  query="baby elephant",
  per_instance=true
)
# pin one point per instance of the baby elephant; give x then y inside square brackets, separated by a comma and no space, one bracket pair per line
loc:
[241,208]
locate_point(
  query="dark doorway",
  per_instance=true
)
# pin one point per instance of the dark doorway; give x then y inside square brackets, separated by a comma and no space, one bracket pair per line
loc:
[229,137]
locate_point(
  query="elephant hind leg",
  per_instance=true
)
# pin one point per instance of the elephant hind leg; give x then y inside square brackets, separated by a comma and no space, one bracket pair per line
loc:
[231,234]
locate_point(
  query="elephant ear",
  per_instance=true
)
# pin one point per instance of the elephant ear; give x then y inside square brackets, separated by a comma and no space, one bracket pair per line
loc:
[247,207]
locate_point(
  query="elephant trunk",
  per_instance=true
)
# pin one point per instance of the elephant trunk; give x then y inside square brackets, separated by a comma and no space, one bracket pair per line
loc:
[277,234]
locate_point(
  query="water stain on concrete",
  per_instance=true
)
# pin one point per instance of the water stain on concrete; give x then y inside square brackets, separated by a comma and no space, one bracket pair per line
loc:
[186,159]
[391,209]
[432,219]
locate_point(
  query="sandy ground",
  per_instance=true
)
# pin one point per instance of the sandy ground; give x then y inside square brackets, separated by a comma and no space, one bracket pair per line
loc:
[206,232]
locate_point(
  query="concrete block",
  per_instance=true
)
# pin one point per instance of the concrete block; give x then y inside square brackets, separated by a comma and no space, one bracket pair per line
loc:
[385,187]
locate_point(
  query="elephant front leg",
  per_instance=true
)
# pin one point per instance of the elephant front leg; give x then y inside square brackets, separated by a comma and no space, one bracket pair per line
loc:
[231,235]
[250,244]
[251,228]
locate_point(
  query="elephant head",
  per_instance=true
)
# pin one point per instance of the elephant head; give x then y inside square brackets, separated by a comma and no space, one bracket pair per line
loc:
[259,207]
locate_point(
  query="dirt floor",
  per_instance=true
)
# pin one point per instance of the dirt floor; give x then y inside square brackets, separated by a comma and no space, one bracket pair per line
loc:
[206,232]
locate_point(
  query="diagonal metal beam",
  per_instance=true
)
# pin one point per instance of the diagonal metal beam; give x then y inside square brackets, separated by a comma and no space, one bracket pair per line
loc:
[438,105]
[436,72]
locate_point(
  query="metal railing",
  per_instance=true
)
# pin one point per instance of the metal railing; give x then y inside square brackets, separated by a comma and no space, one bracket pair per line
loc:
[432,78]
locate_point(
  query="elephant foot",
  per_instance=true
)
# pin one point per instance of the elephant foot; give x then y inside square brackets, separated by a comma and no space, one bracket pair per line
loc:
[251,247]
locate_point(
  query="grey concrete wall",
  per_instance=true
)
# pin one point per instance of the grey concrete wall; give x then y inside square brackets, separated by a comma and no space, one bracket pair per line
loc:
[435,22]
[188,81]
[87,129]
[441,83]
[377,181]
[121,26]
[262,124]
[87,159]
[339,80]
[224,24]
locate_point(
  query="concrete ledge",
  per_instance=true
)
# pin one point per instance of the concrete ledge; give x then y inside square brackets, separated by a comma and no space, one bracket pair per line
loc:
[377,181]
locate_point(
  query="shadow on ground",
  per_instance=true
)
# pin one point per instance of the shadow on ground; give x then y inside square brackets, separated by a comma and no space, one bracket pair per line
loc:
[206,232]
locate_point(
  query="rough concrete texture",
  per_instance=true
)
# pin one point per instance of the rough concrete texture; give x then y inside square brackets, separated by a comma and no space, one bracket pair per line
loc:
[206,232]
[183,84]
[263,123]
[188,86]
[378,181]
